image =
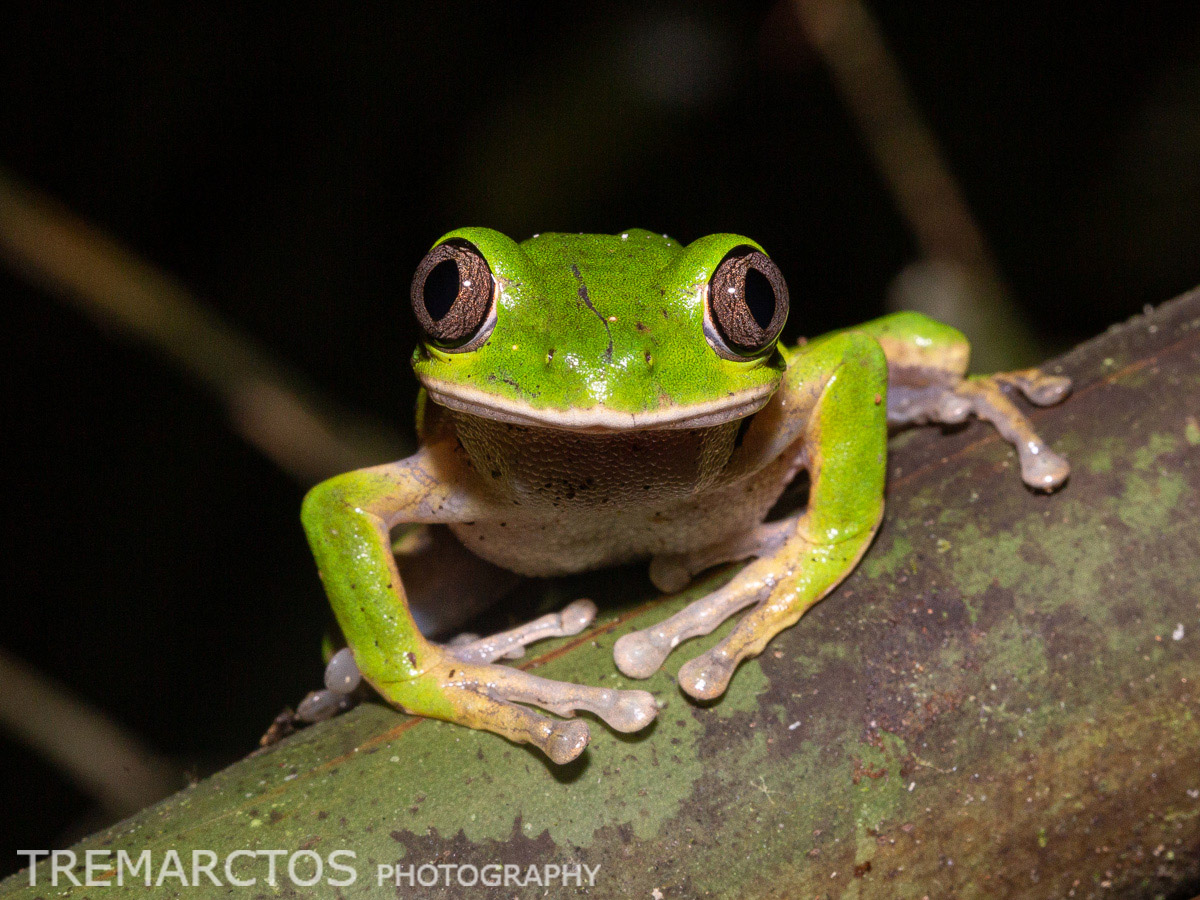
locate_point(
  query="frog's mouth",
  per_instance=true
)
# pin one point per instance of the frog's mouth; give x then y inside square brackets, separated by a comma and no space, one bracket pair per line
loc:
[599,417]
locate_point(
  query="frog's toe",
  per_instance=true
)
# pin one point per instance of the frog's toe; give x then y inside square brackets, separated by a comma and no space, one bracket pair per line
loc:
[342,678]
[321,705]
[1048,390]
[511,644]
[1042,468]
[623,710]
[640,654]
[707,676]
[950,409]
[577,616]
[560,741]
[1040,389]
[669,572]
[497,698]
[566,741]
[341,672]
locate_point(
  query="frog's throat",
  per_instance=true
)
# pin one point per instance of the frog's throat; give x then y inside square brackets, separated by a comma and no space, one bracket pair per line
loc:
[599,417]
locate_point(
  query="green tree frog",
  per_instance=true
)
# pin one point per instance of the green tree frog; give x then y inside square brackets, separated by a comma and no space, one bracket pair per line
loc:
[588,400]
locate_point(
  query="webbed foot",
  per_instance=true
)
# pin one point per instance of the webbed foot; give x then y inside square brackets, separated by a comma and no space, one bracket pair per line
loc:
[1041,468]
[780,588]
[459,683]
[640,654]
[487,696]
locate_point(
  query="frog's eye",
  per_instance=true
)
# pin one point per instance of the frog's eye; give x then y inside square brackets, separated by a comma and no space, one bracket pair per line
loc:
[747,303]
[452,294]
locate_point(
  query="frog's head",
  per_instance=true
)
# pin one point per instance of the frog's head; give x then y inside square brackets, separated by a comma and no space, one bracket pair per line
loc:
[599,332]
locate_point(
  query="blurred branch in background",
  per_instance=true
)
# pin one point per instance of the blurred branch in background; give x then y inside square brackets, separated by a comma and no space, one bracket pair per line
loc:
[1020,702]
[291,424]
[305,436]
[957,280]
[105,761]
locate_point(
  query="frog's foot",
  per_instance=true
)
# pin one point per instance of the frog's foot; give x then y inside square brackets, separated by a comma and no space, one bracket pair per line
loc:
[342,678]
[511,644]
[1040,389]
[671,572]
[487,696]
[640,654]
[781,588]
[1041,468]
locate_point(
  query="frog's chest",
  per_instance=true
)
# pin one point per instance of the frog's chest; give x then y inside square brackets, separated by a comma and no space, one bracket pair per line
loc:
[566,501]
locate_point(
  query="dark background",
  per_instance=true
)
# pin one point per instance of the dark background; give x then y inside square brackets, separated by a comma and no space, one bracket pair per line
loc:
[292,169]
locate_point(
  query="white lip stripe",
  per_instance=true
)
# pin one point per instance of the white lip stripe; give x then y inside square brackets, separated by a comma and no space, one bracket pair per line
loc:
[597,418]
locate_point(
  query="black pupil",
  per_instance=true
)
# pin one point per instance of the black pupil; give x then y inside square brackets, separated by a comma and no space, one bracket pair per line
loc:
[441,289]
[760,298]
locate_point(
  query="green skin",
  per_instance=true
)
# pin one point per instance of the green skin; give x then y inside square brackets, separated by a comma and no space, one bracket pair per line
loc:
[645,285]
[597,338]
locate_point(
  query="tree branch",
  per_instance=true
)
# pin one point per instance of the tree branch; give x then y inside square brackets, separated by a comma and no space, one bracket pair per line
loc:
[1003,700]
[272,408]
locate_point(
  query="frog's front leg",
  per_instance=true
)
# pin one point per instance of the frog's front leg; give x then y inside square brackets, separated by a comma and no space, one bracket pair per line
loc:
[342,676]
[927,364]
[830,414]
[348,520]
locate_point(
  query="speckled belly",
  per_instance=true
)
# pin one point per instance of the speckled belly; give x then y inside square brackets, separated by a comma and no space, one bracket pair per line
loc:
[571,501]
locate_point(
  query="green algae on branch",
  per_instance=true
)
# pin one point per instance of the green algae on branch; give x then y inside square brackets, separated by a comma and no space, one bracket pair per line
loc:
[1003,700]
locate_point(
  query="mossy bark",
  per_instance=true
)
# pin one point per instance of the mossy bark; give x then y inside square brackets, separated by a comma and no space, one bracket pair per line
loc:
[1002,701]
